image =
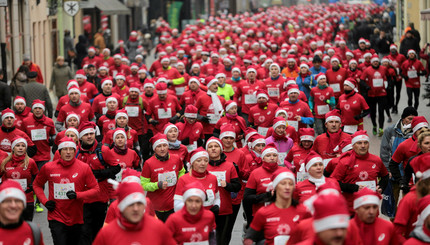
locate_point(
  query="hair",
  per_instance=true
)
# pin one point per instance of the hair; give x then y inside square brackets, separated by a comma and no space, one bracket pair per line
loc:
[9,158]
[59,58]
[424,133]
[423,187]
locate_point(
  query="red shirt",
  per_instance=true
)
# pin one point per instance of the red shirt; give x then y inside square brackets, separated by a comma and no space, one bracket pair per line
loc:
[95,60]
[350,106]
[299,108]
[320,96]
[182,152]
[108,62]
[406,215]
[235,122]
[190,97]
[99,103]
[7,138]
[39,133]
[106,124]
[194,131]
[19,117]
[297,154]
[275,87]
[306,189]
[135,108]
[335,80]
[277,223]
[262,117]
[122,92]
[260,181]
[383,231]
[162,110]
[83,110]
[406,150]
[19,235]
[132,138]
[23,176]
[411,68]
[79,176]
[211,69]
[246,91]
[64,100]
[88,89]
[239,158]
[129,160]
[206,108]
[375,80]
[113,70]
[210,185]
[321,145]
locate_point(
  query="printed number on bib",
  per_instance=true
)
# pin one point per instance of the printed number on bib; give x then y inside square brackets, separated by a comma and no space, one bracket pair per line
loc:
[350,129]
[60,190]
[38,134]
[22,182]
[192,146]
[211,198]
[412,74]
[180,90]
[369,184]
[323,109]
[281,240]
[196,243]
[282,156]
[250,99]
[220,175]
[169,177]
[273,92]
[335,87]
[132,111]
[162,114]
[262,131]
[213,119]
[377,83]
[294,124]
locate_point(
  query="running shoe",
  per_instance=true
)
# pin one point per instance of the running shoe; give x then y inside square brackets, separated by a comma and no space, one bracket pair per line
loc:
[381,132]
[375,130]
[39,209]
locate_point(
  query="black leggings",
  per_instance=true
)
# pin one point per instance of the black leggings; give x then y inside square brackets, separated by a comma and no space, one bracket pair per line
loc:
[94,217]
[222,233]
[398,86]
[416,94]
[28,212]
[63,234]
[164,215]
[379,102]
[230,225]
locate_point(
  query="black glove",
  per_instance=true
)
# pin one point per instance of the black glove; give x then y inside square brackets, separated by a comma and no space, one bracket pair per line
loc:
[154,122]
[406,78]
[404,188]
[205,119]
[50,205]
[215,209]
[174,119]
[71,194]
[357,117]
[186,141]
[29,189]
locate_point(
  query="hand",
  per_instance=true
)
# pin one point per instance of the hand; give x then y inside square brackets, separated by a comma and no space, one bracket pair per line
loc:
[298,118]
[71,195]
[357,117]
[205,119]
[223,183]
[186,141]
[390,175]
[215,209]
[154,122]
[162,185]
[50,205]
[173,119]
[327,101]
[29,189]
[378,189]
[360,187]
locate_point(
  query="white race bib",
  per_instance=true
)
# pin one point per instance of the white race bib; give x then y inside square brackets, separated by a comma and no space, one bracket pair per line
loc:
[211,198]
[323,109]
[412,74]
[335,87]
[60,190]
[302,176]
[377,83]
[23,183]
[273,92]
[180,90]
[38,134]
[250,99]
[169,177]
[281,239]
[361,60]
[220,175]
[263,131]
[192,146]
[162,114]
[282,156]
[371,184]
[350,129]
[133,111]
[196,243]
[320,43]
[213,119]
[294,124]
[104,110]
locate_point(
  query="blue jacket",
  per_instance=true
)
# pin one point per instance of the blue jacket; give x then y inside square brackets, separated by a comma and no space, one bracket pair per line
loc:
[306,84]
[314,71]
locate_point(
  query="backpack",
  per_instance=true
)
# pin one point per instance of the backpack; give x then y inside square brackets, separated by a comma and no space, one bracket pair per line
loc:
[98,152]
[36,232]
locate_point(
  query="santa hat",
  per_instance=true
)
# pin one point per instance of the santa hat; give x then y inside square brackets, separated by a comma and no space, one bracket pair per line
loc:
[121,113]
[195,65]
[71,83]
[228,60]
[294,88]
[270,148]
[344,146]
[67,142]
[320,76]
[165,59]
[211,80]
[120,76]
[331,212]
[307,134]
[423,210]
[311,159]
[366,196]
[276,65]
[375,57]
[349,53]
[74,130]
[161,88]
[251,69]
[191,111]
[7,113]
[111,98]
[367,54]
[220,75]
[80,74]
[86,128]
[291,58]
[118,56]
[74,89]
[281,174]
[360,135]
[103,68]
[141,70]
[248,133]
[352,62]
[351,82]
[18,140]
[227,130]
[130,175]
[130,193]
[38,104]
[262,93]
[194,79]
[422,167]
[134,87]
[214,54]
[194,189]
[362,40]
[418,123]
[197,153]
[12,189]
[278,121]
[158,139]
[107,81]
[212,140]
[279,111]
[393,46]
[236,69]
[330,187]
[73,115]
[169,126]
[411,51]
[289,82]
[257,139]
[119,131]
[91,49]
[148,84]
[334,59]
[19,99]
[333,115]
[304,65]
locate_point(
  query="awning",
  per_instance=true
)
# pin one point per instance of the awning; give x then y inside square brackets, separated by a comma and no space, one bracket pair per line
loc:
[108,7]
[425,14]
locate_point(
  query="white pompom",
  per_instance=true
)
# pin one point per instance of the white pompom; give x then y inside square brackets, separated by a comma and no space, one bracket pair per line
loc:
[419,174]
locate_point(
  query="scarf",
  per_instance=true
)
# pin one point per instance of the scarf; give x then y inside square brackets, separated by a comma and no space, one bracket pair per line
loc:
[219,161]
[218,108]
[199,175]
[192,218]
[367,231]
[270,167]
[352,155]
[66,163]
[322,86]
[333,141]
[174,145]
[263,106]
[162,159]
[163,105]
[318,182]
[25,112]
[12,226]
[241,124]
[126,225]
[278,137]
[303,76]
[7,130]
[235,79]
[256,158]
[17,160]
[43,120]
[111,114]
[349,94]
[119,150]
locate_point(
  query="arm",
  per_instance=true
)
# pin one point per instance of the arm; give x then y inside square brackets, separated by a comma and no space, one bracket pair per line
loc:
[178,81]
[308,120]
[59,126]
[383,182]
[311,102]
[7,97]
[148,185]
[92,188]
[108,172]
[395,171]
[385,149]
[233,186]
[181,172]
[32,150]
[39,184]
[48,104]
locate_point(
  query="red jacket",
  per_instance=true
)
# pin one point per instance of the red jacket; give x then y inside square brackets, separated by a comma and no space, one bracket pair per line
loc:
[40,132]
[375,79]
[205,106]
[99,103]
[383,232]
[275,87]
[335,79]
[36,68]
[83,110]
[162,110]
[8,137]
[23,176]
[245,93]
[88,89]
[406,215]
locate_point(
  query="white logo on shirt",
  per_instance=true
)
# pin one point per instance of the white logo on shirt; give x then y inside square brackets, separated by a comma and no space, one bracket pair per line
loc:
[296,218]
[381,237]
[374,166]
[75,175]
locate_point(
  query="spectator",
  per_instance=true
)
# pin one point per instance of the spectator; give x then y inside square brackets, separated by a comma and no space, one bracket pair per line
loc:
[410,42]
[19,80]
[32,91]
[81,50]
[5,95]
[382,44]
[61,74]
[33,67]
[99,40]
[69,48]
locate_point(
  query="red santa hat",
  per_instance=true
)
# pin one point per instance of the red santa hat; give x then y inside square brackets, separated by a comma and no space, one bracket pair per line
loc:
[214,54]
[344,146]
[311,159]
[134,87]
[278,121]
[74,89]
[118,56]
[169,126]
[197,153]
[350,82]
[165,59]
[103,68]
[12,189]
[86,128]
[294,88]
[107,81]
[194,189]
[91,49]
[130,193]
[130,175]
[229,105]
[331,212]
[227,130]
[248,133]
[220,75]
[73,115]
[121,113]
[307,134]
[333,115]
[38,104]
[352,61]
[71,83]
[367,54]
[304,65]
[362,40]
[191,111]
[236,69]
[418,123]
[141,70]
[257,139]
[366,196]
[67,142]
[349,53]
[80,74]
[111,98]
[7,113]
[158,139]
[411,51]
[279,111]
[281,174]
[270,148]
[290,81]
[360,135]
[422,170]
[18,140]
[329,187]
[251,69]
[334,58]
[195,65]
[291,58]
[214,140]
[393,46]
[211,80]
[194,79]
[120,76]
[161,88]
[276,65]
[19,99]
[375,57]
[320,76]
[119,131]
[148,84]
[262,93]
[74,130]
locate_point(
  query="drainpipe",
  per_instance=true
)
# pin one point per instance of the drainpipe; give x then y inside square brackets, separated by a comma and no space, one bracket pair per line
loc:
[27,35]
[16,50]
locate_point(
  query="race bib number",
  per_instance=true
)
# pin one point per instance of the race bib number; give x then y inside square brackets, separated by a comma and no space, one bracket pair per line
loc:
[412,74]
[192,146]
[22,182]
[197,243]
[282,156]
[180,90]
[323,109]
[350,129]
[104,110]
[294,124]
[38,134]
[133,111]
[220,175]
[369,184]
[162,114]
[263,131]
[302,176]
[210,198]
[169,177]
[213,119]
[377,83]
[250,99]
[60,190]
[273,92]
[281,240]
[335,87]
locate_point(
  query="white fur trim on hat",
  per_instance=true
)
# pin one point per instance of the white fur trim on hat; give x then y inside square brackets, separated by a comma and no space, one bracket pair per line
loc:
[80,76]
[148,85]
[38,105]
[258,141]
[162,91]
[293,90]
[130,179]
[19,140]
[321,77]
[251,70]
[364,200]
[74,90]
[412,51]
[353,62]
[349,84]
[220,75]
[216,141]
[307,137]
[227,134]
[269,150]
[73,115]
[367,54]
[229,106]
[74,130]
[111,99]
[332,118]
[86,131]
[304,65]
[236,69]
[280,111]
[334,59]
[194,80]
[120,77]
[101,68]
[291,60]
[131,199]
[277,124]
[198,155]
[212,82]
[165,59]
[374,59]
[107,81]
[121,114]
[119,132]
[417,127]
[159,142]
[14,193]
[195,65]
[331,222]
[67,144]
[282,176]
[312,162]
[191,115]
[359,138]
[194,192]
[18,101]
[262,95]
[9,114]
[134,89]
[168,128]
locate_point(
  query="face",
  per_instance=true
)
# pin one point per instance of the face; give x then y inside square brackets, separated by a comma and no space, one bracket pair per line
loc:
[193,205]
[172,135]
[120,140]
[60,62]
[285,189]
[332,126]
[149,90]
[191,120]
[119,83]
[19,149]
[134,94]
[407,120]
[89,138]
[162,149]
[280,130]
[335,63]
[362,45]
[92,71]
[134,212]
[38,112]
[227,142]
[74,97]
[165,64]
[232,110]
[375,63]
[80,80]
[214,150]
[72,123]
[307,144]
[236,74]
[196,70]
[121,122]
[367,213]
[213,88]
[361,147]
[333,236]
[259,148]
[142,75]
[411,56]
[117,61]
[8,122]
[271,158]
[19,107]
[11,210]
[112,106]
[316,170]
[200,164]
[293,96]
[322,82]
[107,89]
[73,136]
[221,80]
[251,75]
[274,71]
[291,64]
[162,96]
[67,153]
[425,145]
[303,70]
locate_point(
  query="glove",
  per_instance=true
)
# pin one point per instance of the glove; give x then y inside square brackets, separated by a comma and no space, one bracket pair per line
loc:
[404,188]
[215,210]
[50,205]
[205,119]
[173,119]
[186,141]
[357,117]
[71,194]
[406,78]
[327,101]
[154,122]
[29,189]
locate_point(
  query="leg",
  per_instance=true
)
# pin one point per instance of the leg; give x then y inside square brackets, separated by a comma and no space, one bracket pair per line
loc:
[381,107]
[232,219]
[221,223]
[409,92]
[39,209]
[99,211]
[319,126]
[58,232]
[245,116]
[72,238]
[417,97]
[86,233]
[398,91]
[28,212]
[372,105]
[145,147]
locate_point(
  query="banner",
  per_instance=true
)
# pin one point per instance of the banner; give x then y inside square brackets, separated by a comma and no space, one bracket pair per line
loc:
[174,13]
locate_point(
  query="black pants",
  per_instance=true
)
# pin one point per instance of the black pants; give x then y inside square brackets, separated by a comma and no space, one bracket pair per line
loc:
[413,92]
[398,86]
[379,102]
[63,234]
[145,147]
[245,116]
[94,217]
[230,224]
[28,212]
[39,166]
[164,215]
[221,229]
